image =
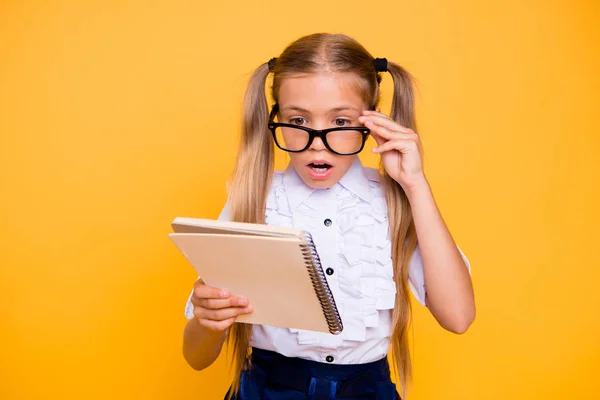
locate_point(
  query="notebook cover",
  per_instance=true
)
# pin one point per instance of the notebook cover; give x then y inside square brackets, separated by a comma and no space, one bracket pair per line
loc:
[270,272]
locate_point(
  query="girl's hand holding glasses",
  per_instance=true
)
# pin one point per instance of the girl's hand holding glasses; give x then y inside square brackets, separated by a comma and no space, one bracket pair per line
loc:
[400,149]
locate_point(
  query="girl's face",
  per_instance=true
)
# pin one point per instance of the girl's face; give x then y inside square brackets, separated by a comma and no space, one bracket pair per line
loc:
[320,101]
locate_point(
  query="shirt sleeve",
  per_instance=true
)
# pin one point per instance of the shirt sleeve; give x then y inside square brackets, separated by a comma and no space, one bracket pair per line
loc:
[189,307]
[416,277]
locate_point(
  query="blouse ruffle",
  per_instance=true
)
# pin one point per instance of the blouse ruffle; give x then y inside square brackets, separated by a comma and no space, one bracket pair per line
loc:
[364,269]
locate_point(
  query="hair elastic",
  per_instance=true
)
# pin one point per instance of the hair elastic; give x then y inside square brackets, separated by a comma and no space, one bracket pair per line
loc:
[271,63]
[380,64]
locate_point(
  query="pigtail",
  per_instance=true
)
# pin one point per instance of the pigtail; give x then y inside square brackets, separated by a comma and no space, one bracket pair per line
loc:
[248,194]
[254,163]
[402,230]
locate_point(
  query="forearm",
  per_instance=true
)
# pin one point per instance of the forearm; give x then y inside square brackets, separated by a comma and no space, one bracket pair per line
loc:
[201,346]
[449,289]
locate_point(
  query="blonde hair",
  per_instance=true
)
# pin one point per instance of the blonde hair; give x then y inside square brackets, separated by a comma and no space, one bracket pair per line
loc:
[254,169]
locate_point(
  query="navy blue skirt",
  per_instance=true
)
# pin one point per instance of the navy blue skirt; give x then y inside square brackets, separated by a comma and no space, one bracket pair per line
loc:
[276,377]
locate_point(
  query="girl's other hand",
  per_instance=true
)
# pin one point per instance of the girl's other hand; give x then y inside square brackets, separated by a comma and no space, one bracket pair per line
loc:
[217,309]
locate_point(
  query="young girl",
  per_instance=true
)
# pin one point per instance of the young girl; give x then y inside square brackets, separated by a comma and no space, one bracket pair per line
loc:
[378,234]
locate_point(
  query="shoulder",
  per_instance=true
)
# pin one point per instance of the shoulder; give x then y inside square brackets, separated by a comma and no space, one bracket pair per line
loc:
[275,192]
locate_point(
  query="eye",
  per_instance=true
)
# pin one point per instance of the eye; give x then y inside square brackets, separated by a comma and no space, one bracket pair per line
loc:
[297,121]
[341,122]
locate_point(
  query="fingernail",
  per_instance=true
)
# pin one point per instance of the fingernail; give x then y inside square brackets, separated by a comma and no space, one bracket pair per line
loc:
[374,150]
[242,302]
[224,294]
[248,309]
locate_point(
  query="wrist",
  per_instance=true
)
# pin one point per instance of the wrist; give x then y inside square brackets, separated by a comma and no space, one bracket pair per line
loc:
[417,188]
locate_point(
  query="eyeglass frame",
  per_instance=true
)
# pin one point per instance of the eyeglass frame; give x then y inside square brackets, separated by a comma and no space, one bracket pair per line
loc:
[312,133]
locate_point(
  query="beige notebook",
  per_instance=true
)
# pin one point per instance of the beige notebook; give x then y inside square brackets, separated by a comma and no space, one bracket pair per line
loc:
[277,269]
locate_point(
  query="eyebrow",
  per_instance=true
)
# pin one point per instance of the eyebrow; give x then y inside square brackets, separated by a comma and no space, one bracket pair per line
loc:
[336,109]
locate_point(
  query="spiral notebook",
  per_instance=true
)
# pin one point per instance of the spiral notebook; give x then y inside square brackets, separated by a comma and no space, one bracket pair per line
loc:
[278,269]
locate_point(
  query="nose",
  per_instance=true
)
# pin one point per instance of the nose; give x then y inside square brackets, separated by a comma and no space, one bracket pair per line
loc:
[317,144]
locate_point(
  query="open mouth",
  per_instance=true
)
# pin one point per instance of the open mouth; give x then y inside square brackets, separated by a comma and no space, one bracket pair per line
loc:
[320,167]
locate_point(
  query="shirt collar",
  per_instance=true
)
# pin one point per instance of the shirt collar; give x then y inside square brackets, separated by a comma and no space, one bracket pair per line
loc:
[355,180]
[295,189]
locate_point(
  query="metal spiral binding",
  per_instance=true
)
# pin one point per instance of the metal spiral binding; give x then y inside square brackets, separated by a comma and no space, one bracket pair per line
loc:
[319,282]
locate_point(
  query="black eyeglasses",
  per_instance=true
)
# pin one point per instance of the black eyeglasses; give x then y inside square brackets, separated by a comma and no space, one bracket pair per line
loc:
[343,140]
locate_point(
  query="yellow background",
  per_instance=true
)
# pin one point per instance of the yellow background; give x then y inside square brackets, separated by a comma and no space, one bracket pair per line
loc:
[117,116]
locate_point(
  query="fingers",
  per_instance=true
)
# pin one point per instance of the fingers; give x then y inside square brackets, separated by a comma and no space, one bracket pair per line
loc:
[388,134]
[400,145]
[215,304]
[219,320]
[221,314]
[211,297]
[217,325]
[215,308]
[383,120]
[203,291]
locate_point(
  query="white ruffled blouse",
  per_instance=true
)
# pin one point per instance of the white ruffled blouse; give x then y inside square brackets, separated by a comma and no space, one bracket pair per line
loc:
[350,229]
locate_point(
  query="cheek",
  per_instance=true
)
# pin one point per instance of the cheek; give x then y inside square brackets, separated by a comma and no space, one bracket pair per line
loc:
[345,162]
